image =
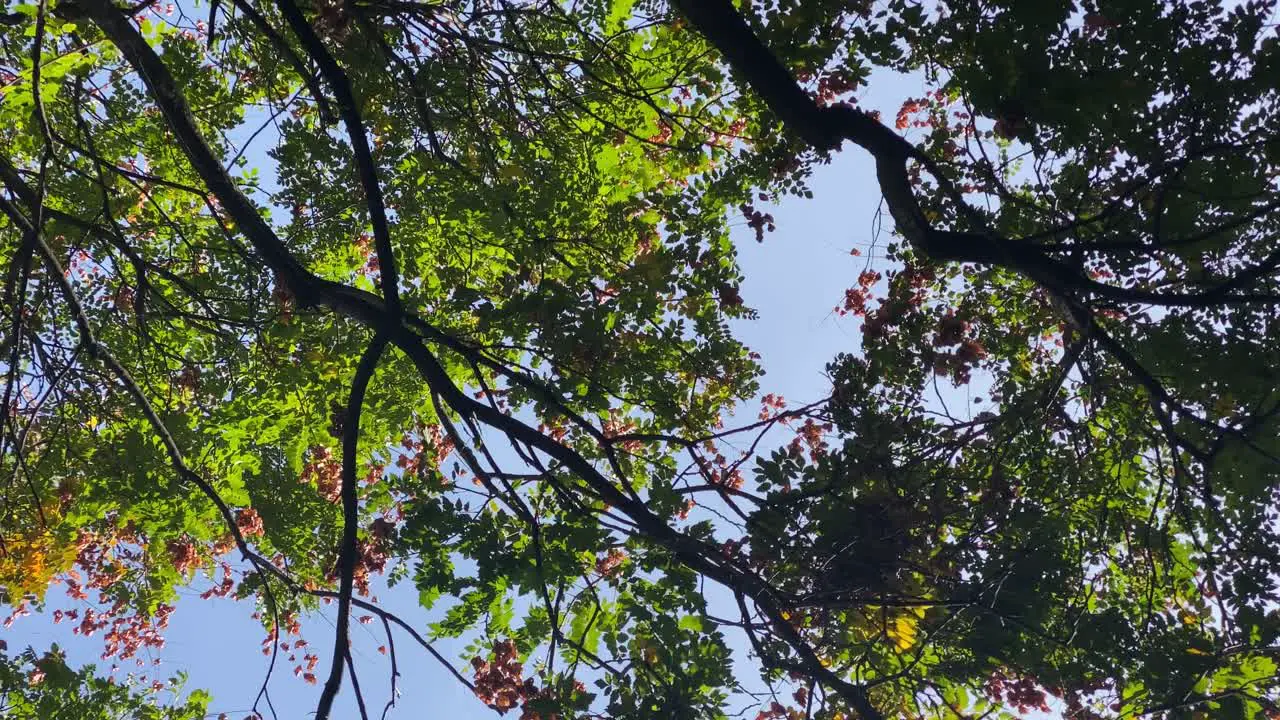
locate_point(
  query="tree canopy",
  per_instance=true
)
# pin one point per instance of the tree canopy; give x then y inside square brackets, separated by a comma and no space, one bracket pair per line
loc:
[304,293]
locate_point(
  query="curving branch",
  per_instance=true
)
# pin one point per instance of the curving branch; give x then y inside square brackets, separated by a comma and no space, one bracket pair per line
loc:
[96,350]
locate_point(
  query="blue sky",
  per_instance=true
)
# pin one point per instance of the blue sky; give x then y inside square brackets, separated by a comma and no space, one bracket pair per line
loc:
[794,279]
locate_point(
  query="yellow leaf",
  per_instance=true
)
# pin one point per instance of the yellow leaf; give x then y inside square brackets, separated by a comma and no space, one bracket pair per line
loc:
[903,631]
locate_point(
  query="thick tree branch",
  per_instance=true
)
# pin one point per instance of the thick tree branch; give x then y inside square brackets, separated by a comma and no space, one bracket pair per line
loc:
[350,522]
[825,128]
[368,170]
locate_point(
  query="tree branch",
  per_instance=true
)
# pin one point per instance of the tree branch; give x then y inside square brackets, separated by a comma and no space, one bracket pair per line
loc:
[350,112]
[350,522]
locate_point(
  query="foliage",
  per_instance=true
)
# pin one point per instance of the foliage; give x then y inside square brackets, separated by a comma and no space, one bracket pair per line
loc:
[44,686]
[301,295]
